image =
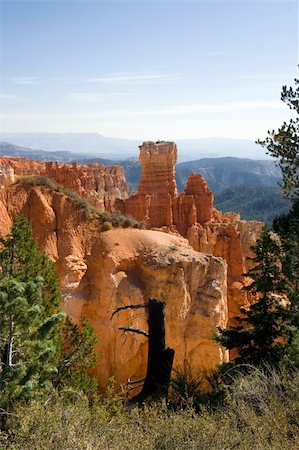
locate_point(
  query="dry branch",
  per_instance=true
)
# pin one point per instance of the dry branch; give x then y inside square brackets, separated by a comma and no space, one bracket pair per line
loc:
[134,330]
[143,305]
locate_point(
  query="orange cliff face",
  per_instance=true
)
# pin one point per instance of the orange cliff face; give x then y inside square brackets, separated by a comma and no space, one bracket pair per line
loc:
[192,214]
[99,184]
[99,271]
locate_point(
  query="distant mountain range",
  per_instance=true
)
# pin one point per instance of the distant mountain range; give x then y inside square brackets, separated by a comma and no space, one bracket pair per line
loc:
[221,173]
[45,155]
[96,145]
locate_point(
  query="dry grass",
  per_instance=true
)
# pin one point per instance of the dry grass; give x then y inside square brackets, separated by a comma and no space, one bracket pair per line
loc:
[261,411]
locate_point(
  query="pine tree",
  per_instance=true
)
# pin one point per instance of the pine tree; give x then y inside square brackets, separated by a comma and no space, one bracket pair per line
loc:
[77,355]
[27,341]
[287,228]
[21,258]
[37,347]
[262,334]
[284,143]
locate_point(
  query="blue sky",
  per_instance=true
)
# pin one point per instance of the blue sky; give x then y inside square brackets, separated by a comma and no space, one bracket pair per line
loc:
[147,69]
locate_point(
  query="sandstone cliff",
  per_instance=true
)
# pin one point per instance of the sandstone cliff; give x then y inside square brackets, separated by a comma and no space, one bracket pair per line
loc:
[99,184]
[191,214]
[101,271]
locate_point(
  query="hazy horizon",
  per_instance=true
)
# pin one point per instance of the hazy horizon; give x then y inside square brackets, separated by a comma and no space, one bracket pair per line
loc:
[94,144]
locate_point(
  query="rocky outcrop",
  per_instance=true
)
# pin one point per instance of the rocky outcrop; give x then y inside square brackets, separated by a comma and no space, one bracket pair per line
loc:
[22,166]
[99,184]
[192,214]
[157,168]
[7,176]
[100,271]
[158,202]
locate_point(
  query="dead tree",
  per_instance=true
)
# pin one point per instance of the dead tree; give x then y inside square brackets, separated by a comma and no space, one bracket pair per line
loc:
[160,359]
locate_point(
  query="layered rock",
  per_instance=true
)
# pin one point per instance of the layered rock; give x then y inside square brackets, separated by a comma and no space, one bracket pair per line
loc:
[22,166]
[158,160]
[99,184]
[192,214]
[101,271]
[7,176]
[158,202]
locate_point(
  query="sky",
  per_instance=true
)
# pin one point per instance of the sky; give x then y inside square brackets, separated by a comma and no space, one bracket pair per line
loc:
[147,69]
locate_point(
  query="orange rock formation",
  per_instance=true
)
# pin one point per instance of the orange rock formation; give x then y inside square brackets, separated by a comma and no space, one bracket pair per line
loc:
[192,214]
[101,271]
[100,184]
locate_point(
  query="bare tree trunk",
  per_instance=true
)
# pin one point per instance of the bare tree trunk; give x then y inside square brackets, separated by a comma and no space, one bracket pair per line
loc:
[160,359]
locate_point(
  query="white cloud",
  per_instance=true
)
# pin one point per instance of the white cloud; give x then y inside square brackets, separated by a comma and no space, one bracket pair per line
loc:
[129,77]
[180,110]
[216,107]
[94,96]
[11,97]
[24,80]
[264,76]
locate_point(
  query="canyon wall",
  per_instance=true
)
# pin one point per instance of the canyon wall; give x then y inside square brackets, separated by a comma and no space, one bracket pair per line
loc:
[192,215]
[99,184]
[195,265]
[100,271]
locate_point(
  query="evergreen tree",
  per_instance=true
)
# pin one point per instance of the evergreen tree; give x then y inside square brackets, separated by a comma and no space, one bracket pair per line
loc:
[284,143]
[27,341]
[287,228]
[38,349]
[262,335]
[269,329]
[77,355]
[21,258]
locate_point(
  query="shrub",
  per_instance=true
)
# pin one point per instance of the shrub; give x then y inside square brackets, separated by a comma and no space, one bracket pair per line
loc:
[107,226]
[114,218]
[41,181]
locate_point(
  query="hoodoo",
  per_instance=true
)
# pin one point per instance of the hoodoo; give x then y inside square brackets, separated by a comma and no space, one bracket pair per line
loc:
[191,214]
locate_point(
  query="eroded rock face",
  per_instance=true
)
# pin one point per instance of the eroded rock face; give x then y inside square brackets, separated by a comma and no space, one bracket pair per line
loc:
[101,271]
[157,168]
[7,176]
[158,202]
[22,166]
[99,184]
[192,214]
